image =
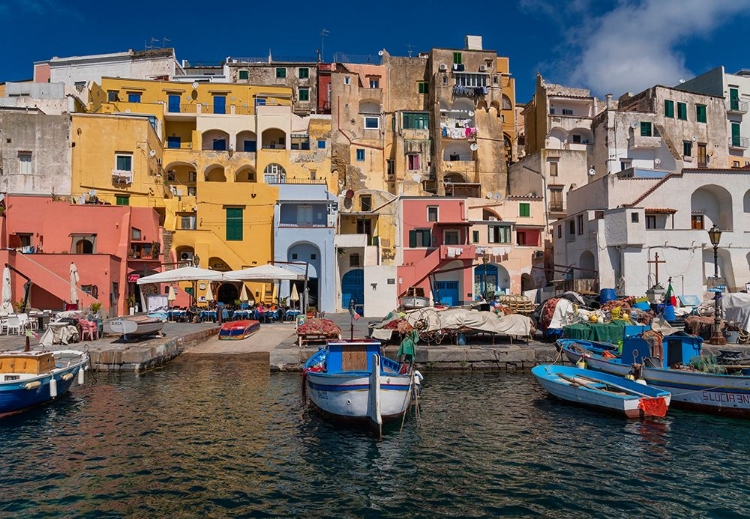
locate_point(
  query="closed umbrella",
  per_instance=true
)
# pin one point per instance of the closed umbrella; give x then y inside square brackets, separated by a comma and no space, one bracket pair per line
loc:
[209,294]
[73,284]
[294,296]
[172,295]
[7,304]
[243,295]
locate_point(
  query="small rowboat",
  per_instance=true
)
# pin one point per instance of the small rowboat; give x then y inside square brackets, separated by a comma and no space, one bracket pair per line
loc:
[131,326]
[602,391]
[237,330]
[32,378]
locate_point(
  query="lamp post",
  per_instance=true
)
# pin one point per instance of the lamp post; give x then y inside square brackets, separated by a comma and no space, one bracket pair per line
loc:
[485,260]
[714,234]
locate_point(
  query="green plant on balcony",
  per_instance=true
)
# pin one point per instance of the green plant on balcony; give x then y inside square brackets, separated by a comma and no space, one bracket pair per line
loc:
[95,307]
[155,249]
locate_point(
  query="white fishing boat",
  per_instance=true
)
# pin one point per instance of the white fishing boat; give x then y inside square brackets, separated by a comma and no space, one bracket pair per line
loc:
[414,299]
[132,326]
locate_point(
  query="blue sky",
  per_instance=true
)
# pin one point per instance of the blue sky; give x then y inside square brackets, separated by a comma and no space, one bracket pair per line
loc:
[610,46]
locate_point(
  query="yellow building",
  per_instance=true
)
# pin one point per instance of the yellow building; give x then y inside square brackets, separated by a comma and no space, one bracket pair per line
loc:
[209,157]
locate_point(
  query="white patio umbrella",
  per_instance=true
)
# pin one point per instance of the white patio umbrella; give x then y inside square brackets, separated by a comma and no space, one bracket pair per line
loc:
[74,279]
[294,296]
[7,304]
[171,296]
[263,274]
[243,295]
[209,294]
[182,274]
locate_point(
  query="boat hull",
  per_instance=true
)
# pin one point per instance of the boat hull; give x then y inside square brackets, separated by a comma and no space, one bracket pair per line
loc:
[238,330]
[551,379]
[345,396]
[27,390]
[133,326]
[705,392]
[414,302]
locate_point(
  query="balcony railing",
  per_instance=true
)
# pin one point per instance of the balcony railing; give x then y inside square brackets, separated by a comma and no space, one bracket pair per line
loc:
[119,175]
[737,142]
[183,108]
[457,252]
[736,106]
[556,207]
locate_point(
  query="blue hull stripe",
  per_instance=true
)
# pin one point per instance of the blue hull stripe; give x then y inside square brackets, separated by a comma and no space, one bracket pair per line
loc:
[357,387]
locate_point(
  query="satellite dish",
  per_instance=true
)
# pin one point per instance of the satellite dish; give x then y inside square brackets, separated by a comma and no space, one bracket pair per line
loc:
[474,146]
[92,193]
[497,197]
[380,53]
[657,161]
[634,124]
[695,138]
[349,194]
[152,153]
[592,172]
[195,84]
[471,113]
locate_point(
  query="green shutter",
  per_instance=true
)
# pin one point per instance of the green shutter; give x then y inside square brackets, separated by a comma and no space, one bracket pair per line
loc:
[457,58]
[122,200]
[735,134]
[426,238]
[734,99]
[234,224]
[668,108]
[645,129]
[524,209]
[412,239]
[423,87]
[243,74]
[700,113]
[682,111]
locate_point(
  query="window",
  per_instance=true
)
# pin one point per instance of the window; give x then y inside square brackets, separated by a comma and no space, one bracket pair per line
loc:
[700,113]
[234,223]
[553,168]
[457,58]
[650,221]
[556,199]
[219,145]
[735,163]
[134,97]
[113,95]
[580,223]
[313,174]
[304,94]
[304,215]
[625,164]
[391,169]
[451,237]
[524,209]
[432,213]
[313,256]
[372,122]
[423,87]
[354,260]
[187,223]
[571,227]
[122,199]
[634,217]
[274,174]
[124,162]
[734,99]
[84,244]
[687,149]
[696,221]
[347,80]
[360,155]
[249,146]
[135,234]
[682,111]
[669,108]
[304,72]
[220,104]
[736,138]
[192,176]
[374,82]
[474,236]
[280,73]
[559,231]
[645,129]
[365,202]
[521,238]
[244,74]
[413,162]
[498,234]
[321,144]
[174,142]
[416,121]
[420,238]
[24,163]
[567,111]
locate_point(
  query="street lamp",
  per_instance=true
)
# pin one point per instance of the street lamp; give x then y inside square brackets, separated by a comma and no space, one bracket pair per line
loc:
[485,260]
[714,234]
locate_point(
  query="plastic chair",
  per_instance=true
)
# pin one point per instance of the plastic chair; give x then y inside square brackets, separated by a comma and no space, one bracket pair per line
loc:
[90,329]
[14,323]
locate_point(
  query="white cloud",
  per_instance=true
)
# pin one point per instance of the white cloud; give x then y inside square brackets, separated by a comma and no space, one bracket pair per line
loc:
[635,45]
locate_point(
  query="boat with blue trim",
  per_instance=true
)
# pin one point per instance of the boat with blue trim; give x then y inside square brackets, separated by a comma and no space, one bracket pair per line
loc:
[32,378]
[602,391]
[352,381]
[238,330]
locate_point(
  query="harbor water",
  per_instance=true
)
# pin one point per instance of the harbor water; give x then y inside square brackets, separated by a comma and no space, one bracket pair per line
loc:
[215,438]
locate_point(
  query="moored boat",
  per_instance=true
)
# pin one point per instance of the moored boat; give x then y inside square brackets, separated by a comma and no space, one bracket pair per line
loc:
[31,378]
[237,330]
[668,367]
[414,299]
[602,391]
[131,326]
[351,381]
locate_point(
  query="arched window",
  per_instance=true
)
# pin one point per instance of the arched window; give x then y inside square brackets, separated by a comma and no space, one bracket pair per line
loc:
[274,174]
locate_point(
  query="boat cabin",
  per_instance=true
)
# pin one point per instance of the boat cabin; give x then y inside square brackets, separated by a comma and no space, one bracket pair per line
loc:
[678,348]
[30,363]
[357,355]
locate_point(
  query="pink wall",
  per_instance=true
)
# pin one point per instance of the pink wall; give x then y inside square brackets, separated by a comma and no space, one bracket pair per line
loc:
[52,225]
[41,73]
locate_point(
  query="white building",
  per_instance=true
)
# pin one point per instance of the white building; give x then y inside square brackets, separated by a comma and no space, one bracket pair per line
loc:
[735,89]
[618,223]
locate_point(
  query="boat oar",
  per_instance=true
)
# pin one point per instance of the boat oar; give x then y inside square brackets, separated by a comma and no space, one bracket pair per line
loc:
[611,384]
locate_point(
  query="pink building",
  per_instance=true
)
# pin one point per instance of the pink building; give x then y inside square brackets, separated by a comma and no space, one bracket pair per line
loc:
[437,255]
[111,246]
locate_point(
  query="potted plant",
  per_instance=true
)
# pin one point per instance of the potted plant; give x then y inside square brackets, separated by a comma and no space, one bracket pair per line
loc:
[131,303]
[19,306]
[95,307]
[155,250]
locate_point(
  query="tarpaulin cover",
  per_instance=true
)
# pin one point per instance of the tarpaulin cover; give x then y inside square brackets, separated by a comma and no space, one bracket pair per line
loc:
[612,332]
[737,309]
[472,320]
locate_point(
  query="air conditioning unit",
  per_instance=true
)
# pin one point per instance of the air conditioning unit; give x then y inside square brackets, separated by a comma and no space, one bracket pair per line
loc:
[443,67]
[186,256]
[482,68]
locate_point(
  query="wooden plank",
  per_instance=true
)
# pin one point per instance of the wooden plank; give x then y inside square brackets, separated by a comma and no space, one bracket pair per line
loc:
[354,358]
[621,388]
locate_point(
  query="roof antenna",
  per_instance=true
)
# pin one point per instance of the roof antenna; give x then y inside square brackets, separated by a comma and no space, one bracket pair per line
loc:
[410,47]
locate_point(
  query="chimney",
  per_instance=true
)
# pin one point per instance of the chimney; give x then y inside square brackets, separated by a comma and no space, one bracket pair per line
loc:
[473,43]
[609,101]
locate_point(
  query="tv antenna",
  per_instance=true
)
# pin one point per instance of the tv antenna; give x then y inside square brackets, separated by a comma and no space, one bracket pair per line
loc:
[410,47]
[150,44]
[325,32]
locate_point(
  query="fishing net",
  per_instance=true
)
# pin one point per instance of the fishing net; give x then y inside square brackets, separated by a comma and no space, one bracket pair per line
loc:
[707,364]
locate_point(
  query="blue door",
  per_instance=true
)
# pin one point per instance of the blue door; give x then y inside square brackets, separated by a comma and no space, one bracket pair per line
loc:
[220,104]
[174,103]
[353,287]
[447,292]
[485,280]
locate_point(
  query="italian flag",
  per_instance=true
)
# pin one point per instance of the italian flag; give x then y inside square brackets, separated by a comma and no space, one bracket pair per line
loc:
[670,298]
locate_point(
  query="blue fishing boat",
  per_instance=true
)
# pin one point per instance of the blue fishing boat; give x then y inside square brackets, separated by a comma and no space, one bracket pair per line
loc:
[351,381]
[32,378]
[666,364]
[238,330]
[602,391]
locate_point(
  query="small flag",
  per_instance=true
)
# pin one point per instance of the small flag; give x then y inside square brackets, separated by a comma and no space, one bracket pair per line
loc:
[356,316]
[670,299]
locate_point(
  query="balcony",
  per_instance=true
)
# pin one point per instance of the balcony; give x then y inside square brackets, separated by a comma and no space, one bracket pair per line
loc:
[126,177]
[640,142]
[351,240]
[735,106]
[556,207]
[451,132]
[457,252]
[738,143]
